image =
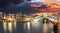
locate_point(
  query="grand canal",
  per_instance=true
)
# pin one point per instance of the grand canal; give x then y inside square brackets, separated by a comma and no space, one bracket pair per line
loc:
[35,25]
[27,27]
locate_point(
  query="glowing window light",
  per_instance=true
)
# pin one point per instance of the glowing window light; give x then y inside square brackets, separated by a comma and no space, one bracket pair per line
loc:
[27,19]
[4,17]
[9,19]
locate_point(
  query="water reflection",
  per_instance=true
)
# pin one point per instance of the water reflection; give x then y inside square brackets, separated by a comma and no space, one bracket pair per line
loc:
[36,25]
[5,26]
[45,28]
[10,27]
[27,27]
[14,25]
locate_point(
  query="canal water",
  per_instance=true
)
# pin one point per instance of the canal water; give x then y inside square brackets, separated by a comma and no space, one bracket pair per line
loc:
[27,27]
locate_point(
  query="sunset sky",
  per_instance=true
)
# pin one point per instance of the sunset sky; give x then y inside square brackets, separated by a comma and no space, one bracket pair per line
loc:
[17,6]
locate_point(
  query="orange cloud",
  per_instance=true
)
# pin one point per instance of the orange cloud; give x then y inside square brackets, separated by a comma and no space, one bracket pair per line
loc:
[53,7]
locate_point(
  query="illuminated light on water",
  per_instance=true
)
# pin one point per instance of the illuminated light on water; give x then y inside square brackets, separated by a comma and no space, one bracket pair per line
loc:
[5,26]
[45,29]
[10,26]
[24,26]
[15,25]
[50,26]
[28,25]
[36,25]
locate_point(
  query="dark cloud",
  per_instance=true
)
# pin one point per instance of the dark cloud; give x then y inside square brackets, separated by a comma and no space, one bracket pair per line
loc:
[3,3]
[21,8]
[25,8]
[44,6]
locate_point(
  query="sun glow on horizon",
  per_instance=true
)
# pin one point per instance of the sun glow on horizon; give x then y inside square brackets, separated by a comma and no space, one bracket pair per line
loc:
[45,0]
